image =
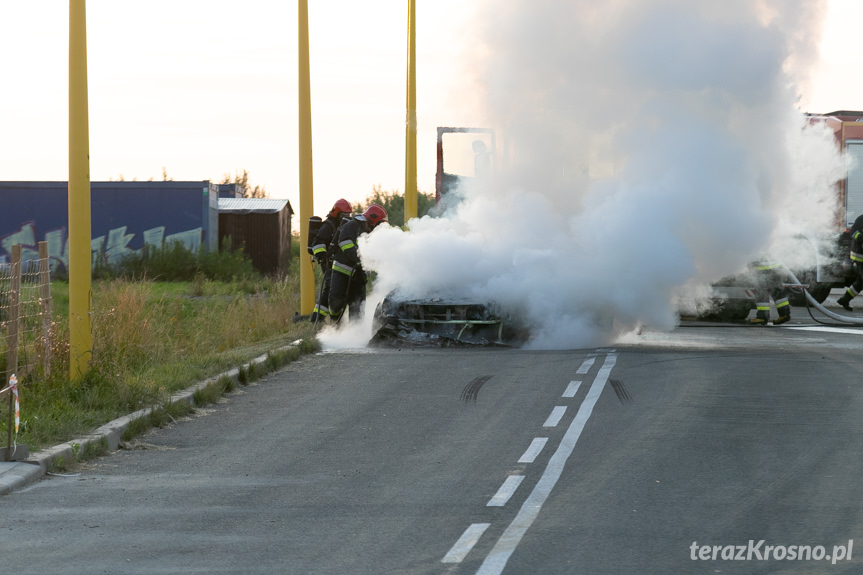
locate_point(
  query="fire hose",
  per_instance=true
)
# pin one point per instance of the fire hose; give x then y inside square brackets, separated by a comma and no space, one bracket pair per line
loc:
[814,303]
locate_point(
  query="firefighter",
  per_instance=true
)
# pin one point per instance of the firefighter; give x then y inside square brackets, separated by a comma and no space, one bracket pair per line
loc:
[322,246]
[855,288]
[769,284]
[348,284]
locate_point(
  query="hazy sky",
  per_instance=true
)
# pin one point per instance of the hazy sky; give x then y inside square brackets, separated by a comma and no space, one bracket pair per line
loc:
[205,89]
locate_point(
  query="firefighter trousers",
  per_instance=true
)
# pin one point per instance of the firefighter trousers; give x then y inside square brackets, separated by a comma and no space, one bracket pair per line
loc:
[769,285]
[322,304]
[347,291]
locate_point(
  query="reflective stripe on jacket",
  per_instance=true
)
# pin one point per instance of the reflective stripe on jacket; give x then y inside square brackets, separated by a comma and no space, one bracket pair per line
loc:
[856,247]
[321,243]
[342,268]
[762,266]
[347,255]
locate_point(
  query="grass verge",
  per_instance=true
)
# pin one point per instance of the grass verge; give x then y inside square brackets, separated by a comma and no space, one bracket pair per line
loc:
[151,340]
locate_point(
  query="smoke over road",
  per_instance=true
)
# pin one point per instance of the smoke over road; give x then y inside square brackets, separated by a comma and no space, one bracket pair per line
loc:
[657,147]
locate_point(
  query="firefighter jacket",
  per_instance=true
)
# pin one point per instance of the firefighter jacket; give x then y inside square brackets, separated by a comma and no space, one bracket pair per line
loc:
[857,246]
[324,238]
[346,259]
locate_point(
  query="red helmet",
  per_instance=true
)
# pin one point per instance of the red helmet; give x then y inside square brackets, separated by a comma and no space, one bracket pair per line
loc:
[341,207]
[374,215]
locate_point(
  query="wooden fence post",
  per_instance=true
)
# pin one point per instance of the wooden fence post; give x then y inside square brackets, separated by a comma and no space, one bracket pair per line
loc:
[14,311]
[46,306]
[12,333]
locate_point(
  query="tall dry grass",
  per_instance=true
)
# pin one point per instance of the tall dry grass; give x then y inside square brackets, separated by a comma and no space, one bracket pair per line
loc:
[150,340]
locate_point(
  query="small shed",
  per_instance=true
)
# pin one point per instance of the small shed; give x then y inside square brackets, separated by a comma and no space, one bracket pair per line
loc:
[262,227]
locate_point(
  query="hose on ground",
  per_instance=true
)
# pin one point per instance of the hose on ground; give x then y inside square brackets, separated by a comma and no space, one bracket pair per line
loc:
[811,301]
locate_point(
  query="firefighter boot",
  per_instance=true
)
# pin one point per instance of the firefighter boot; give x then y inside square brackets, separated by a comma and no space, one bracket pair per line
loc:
[760,318]
[762,313]
[784,315]
[845,301]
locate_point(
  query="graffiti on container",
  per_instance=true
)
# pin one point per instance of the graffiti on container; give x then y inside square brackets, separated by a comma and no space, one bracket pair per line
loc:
[111,248]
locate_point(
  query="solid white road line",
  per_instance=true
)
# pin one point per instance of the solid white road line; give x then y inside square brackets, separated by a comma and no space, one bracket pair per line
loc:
[571,389]
[533,450]
[555,417]
[465,543]
[506,491]
[505,546]
[826,328]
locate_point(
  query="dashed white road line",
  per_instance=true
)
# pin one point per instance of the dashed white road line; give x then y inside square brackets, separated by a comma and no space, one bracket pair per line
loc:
[506,491]
[533,450]
[496,560]
[555,416]
[571,389]
[465,543]
[586,365]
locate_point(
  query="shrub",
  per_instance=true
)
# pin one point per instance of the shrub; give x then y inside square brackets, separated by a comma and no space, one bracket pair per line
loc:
[175,262]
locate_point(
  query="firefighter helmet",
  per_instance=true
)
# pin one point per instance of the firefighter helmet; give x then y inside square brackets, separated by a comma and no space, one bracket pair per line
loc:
[375,215]
[340,207]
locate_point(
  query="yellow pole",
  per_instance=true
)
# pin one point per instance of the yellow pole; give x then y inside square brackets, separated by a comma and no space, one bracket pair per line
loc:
[411,118]
[307,276]
[80,337]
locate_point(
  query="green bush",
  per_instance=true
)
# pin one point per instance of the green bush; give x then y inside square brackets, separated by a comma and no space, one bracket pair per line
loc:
[226,265]
[174,262]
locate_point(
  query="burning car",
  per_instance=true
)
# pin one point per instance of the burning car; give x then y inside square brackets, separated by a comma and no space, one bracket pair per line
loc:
[444,322]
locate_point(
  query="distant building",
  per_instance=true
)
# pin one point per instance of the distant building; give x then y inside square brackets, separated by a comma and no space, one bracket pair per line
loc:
[228,190]
[124,217]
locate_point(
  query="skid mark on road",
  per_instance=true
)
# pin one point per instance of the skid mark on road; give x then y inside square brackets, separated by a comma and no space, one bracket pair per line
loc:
[471,390]
[620,390]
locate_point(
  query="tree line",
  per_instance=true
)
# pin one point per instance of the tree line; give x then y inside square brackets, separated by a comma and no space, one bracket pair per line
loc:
[394,203]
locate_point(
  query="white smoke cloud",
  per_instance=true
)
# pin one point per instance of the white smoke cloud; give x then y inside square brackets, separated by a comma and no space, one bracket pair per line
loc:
[657,148]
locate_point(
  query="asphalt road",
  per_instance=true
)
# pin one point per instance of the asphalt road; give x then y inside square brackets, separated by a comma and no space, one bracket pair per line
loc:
[651,457]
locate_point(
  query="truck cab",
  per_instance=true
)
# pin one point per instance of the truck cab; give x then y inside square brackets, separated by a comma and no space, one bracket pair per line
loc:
[463,154]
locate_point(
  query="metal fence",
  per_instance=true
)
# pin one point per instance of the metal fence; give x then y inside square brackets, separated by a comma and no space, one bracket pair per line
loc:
[25,326]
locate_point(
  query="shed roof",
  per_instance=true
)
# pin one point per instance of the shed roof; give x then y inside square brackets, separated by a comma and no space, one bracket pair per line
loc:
[253,206]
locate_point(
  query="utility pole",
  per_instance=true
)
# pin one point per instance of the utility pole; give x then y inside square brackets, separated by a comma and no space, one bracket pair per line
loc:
[411,118]
[307,275]
[80,233]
